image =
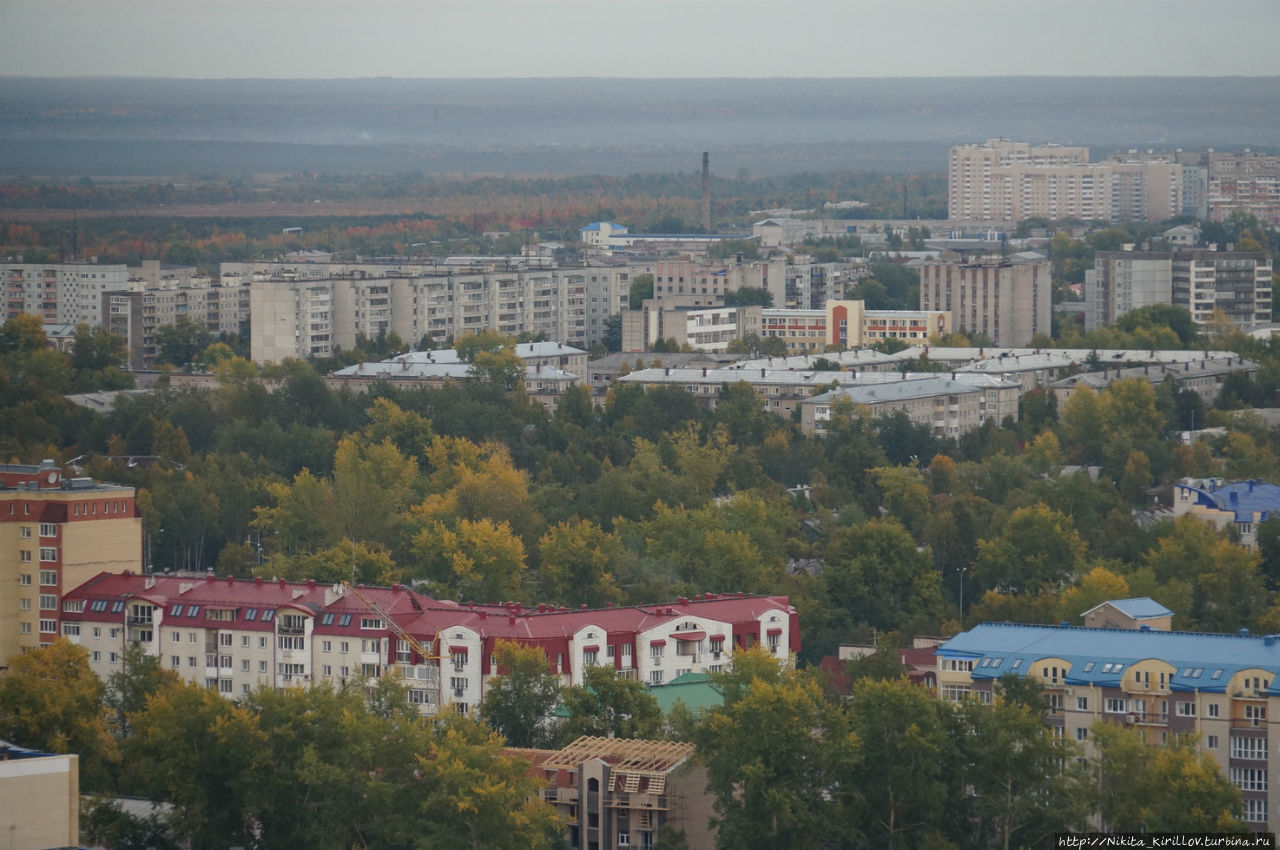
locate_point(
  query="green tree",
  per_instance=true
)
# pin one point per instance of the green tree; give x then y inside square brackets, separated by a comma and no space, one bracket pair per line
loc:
[876,576]
[201,752]
[780,762]
[1038,548]
[900,776]
[181,343]
[141,676]
[1170,788]
[641,290]
[519,700]
[607,705]
[746,296]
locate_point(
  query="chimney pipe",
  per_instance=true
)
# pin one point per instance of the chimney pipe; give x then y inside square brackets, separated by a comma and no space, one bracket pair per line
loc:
[706,192]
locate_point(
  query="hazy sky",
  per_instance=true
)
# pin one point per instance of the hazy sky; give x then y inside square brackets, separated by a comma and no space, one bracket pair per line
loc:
[649,38]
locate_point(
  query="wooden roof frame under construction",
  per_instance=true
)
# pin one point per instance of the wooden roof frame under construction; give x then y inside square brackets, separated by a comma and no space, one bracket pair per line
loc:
[640,757]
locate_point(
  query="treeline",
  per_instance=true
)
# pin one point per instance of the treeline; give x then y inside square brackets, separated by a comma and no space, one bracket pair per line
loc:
[478,493]
[789,763]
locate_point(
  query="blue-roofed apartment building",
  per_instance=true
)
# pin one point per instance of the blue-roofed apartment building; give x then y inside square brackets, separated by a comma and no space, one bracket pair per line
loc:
[1220,687]
[1240,504]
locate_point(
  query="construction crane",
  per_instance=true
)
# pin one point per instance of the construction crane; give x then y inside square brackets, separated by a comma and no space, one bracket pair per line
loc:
[424,651]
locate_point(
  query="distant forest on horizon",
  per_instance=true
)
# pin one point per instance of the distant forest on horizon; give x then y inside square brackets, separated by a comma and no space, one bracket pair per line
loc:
[113,127]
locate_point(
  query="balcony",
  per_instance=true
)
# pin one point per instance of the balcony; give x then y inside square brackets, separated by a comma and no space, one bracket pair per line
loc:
[1258,723]
[625,800]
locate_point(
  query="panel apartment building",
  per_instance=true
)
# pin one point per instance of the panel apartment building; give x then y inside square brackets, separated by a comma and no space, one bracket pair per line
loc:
[1006,181]
[69,293]
[233,635]
[311,310]
[1236,282]
[55,534]
[1125,667]
[1010,299]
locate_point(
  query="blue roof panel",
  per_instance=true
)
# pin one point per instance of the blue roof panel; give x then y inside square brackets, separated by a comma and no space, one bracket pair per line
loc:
[1140,607]
[1204,661]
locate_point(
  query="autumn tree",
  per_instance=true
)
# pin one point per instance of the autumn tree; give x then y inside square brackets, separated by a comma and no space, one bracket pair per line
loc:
[50,700]
[580,563]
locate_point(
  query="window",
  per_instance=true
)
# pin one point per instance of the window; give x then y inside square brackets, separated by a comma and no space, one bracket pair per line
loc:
[326,646]
[1082,734]
[48,529]
[24,604]
[191,661]
[1082,703]
[290,641]
[1255,811]
[459,660]
[372,623]
[97,631]
[48,553]
[48,602]
[244,665]
[73,606]
[655,677]
[589,659]
[25,556]
[25,579]
[344,672]
[224,686]
[292,671]
[48,627]
[775,641]
[115,657]
[250,615]
[262,666]
[626,651]
[1211,742]
[327,670]
[1186,709]
[96,657]
[224,639]
[244,641]
[655,650]
[48,578]
[71,629]
[191,637]
[1248,748]
[1212,709]
[1249,778]
[344,647]
[419,697]
[344,620]
[24,531]
[262,642]
[1114,705]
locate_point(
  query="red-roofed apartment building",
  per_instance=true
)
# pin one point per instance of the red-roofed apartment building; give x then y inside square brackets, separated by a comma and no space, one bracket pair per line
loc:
[55,534]
[235,634]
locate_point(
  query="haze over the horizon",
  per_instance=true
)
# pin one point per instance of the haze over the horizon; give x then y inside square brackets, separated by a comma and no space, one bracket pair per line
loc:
[659,38]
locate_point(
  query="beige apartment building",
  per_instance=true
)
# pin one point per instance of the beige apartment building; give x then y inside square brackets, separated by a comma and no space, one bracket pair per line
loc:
[949,406]
[1005,181]
[55,534]
[1009,299]
[1164,684]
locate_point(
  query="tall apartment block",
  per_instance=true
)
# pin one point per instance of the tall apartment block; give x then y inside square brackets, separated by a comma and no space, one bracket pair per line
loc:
[138,313]
[1007,298]
[1247,182]
[68,293]
[56,534]
[1236,282]
[309,312]
[1003,180]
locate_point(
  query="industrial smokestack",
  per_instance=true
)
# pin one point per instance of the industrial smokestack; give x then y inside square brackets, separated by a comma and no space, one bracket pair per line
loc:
[706,192]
